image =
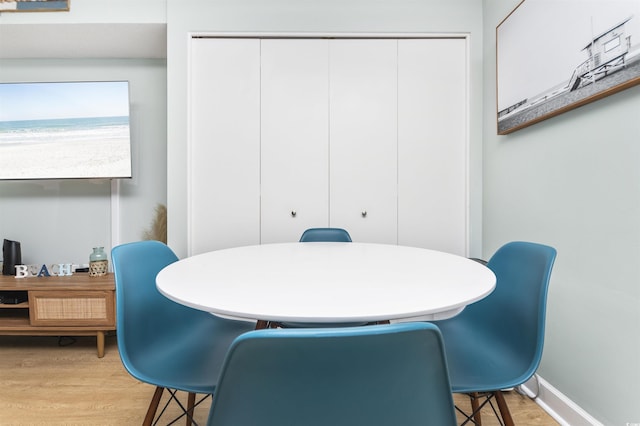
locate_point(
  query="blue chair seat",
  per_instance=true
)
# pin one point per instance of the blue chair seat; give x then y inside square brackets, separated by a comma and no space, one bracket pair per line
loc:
[183,360]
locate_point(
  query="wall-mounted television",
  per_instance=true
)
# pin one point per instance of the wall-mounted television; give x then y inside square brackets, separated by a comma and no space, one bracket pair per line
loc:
[65,130]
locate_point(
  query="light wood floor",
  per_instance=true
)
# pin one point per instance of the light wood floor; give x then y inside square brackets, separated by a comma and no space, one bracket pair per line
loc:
[42,383]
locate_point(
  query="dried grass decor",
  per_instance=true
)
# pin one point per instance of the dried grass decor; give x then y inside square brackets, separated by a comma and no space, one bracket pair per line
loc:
[158,229]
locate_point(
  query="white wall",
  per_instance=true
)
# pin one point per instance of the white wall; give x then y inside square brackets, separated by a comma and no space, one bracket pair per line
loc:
[60,221]
[330,16]
[573,182]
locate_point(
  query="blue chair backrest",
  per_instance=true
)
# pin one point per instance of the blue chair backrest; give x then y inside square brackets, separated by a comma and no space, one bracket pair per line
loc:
[373,375]
[515,311]
[143,315]
[325,234]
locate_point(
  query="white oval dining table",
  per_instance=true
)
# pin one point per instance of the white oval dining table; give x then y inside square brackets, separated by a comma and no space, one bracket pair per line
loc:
[326,282]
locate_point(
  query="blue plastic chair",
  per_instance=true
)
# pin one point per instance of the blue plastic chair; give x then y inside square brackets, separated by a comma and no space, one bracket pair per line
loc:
[380,375]
[338,235]
[496,343]
[162,342]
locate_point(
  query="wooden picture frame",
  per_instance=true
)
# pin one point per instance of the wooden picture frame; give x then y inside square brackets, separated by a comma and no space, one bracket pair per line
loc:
[34,5]
[553,56]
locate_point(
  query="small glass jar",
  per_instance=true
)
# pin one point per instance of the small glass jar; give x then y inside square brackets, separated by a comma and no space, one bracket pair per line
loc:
[98,262]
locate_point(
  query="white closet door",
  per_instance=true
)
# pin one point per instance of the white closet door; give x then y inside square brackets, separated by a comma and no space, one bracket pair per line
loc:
[363,138]
[295,138]
[224,144]
[432,144]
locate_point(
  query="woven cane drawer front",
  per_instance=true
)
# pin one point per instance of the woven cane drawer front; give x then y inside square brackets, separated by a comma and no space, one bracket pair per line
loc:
[72,308]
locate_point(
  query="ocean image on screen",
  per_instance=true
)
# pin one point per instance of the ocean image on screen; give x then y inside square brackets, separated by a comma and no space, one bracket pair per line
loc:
[64,130]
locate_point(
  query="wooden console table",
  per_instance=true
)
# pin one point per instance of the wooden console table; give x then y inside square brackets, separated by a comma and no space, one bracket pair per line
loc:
[76,305]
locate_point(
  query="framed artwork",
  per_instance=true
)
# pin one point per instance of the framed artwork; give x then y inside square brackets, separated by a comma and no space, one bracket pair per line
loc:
[553,56]
[34,5]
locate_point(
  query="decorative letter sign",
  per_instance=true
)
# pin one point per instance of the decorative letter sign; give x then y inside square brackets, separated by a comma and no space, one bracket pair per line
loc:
[44,272]
[21,271]
[64,269]
[58,269]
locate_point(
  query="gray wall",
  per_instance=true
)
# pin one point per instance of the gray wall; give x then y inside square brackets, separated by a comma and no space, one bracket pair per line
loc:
[91,11]
[573,182]
[337,16]
[60,221]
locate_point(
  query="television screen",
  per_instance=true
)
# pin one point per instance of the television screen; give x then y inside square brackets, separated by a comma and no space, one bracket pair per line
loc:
[65,130]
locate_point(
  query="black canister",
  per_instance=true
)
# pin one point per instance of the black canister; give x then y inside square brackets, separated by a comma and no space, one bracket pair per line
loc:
[11,256]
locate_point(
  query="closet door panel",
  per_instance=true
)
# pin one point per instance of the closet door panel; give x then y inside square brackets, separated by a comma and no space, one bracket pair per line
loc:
[363,138]
[224,144]
[432,144]
[295,138]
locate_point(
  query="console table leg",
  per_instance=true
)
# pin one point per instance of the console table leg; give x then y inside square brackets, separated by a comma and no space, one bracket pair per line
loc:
[100,342]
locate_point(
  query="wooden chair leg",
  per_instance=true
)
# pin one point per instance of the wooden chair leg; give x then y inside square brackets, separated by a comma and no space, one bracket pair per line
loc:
[191,402]
[153,406]
[475,407]
[504,409]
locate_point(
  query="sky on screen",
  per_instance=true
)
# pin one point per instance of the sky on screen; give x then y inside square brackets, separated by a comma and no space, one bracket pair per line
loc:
[34,101]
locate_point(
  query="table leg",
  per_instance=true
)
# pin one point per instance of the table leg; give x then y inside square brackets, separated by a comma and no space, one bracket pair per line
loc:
[261,324]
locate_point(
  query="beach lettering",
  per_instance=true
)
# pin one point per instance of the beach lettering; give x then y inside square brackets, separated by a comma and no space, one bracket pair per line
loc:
[56,269]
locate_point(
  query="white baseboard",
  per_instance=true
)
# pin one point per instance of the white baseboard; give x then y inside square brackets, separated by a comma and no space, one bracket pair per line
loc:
[556,404]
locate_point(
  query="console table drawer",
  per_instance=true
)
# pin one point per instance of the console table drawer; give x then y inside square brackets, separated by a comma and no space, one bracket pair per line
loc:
[71,308]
